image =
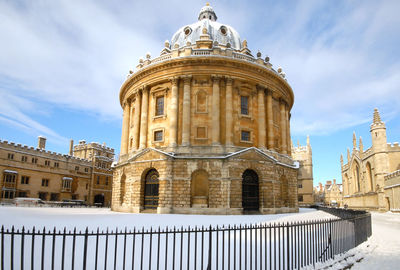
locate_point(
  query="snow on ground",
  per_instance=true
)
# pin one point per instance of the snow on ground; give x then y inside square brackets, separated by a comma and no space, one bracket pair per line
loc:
[382,250]
[103,218]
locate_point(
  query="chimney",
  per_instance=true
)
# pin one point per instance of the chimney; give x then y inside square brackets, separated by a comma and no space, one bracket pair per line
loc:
[71,147]
[41,142]
[320,186]
[334,181]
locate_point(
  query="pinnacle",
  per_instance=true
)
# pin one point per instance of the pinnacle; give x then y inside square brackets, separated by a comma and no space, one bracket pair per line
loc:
[377,117]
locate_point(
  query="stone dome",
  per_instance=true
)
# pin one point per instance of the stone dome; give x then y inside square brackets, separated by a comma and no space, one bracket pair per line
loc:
[224,34]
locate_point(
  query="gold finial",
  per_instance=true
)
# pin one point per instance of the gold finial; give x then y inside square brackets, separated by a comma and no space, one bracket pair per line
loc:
[207,4]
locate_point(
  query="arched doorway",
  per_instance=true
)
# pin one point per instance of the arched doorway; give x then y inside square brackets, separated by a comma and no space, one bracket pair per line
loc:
[151,185]
[99,200]
[250,194]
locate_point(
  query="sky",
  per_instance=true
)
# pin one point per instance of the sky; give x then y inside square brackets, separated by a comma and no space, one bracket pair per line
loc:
[62,64]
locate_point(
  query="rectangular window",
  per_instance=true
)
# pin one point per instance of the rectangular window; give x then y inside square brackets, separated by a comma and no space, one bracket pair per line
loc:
[56,164]
[106,180]
[160,106]
[34,160]
[10,156]
[43,196]
[245,136]
[8,194]
[76,168]
[10,177]
[87,186]
[47,163]
[45,182]
[244,105]
[98,180]
[54,197]
[86,169]
[24,158]
[74,196]
[22,194]
[25,180]
[300,198]
[158,136]
[66,184]
[300,185]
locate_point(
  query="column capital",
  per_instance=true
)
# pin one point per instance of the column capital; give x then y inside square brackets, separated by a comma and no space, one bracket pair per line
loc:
[282,102]
[215,78]
[186,79]
[174,80]
[229,80]
[260,87]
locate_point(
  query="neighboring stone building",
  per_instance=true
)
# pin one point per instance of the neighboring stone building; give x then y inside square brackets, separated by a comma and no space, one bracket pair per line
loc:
[101,158]
[206,128]
[303,154]
[38,173]
[333,194]
[318,194]
[392,191]
[364,174]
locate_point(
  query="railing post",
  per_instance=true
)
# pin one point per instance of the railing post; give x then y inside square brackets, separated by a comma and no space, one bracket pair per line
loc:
[209,248]
[2,247]
[85,249]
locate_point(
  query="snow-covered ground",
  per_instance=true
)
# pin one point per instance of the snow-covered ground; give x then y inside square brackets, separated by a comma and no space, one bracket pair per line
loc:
[103,218]
[381,251]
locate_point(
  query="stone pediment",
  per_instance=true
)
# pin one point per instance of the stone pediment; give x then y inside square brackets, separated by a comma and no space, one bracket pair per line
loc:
[253,154]
[149,154]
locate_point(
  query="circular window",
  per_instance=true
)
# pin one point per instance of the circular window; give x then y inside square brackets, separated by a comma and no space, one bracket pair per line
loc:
[223,30]
[187,31]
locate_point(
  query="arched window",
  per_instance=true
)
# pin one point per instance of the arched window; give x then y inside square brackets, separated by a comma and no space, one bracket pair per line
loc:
[199,188]
[346,185]
[369,177]
[356,177]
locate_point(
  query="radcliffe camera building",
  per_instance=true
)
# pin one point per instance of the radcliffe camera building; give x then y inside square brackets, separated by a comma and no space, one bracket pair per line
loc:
[371,177]
[206,128]
[83,174]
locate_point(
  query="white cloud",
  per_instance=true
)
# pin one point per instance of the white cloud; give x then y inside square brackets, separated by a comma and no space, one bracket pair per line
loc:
[341,57]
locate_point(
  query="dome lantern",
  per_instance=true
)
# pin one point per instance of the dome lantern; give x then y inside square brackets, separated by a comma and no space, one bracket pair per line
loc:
[207,13]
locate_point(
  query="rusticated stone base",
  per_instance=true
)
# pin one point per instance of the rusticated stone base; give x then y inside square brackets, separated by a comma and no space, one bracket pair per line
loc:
[205,185]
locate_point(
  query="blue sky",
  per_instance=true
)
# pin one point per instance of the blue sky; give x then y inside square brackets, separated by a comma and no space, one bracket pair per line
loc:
[62,64]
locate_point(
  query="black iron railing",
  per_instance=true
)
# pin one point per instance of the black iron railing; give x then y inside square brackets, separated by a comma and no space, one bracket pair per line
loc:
[263,246]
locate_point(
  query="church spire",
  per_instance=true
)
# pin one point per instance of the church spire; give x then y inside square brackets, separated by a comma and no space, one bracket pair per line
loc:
[354,140]
[377,117]
[361,145]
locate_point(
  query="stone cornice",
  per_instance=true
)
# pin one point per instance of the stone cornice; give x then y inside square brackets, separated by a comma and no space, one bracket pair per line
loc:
[179,66]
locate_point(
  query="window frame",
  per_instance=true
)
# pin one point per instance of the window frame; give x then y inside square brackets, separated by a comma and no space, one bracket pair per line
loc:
[250,135]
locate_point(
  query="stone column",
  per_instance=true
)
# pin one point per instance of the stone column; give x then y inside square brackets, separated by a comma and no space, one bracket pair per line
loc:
[270,120]
[136,121]
[283,126]
[143,121]
[215,111]
[261,118]
[289,141]
[173,113]
[186,111]
[228,112]
[125,128]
